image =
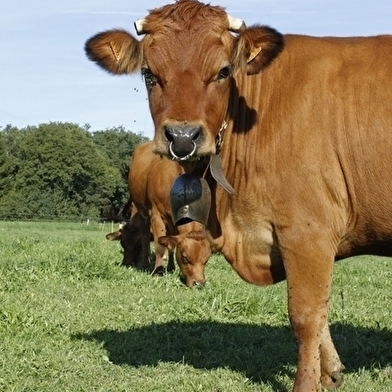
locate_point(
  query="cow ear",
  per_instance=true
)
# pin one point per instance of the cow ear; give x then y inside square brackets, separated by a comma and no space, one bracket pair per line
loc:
[116,51]
[170,242]
[257,47]
[115,236]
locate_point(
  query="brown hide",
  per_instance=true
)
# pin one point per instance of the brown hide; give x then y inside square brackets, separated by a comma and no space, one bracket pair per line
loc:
[307,148]
[149,181]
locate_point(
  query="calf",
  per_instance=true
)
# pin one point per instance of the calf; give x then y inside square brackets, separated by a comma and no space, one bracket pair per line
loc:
[192,251]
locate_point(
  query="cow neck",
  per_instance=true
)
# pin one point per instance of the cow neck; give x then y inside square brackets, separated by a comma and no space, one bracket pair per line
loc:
[219,138]
[214,164]
[216,171]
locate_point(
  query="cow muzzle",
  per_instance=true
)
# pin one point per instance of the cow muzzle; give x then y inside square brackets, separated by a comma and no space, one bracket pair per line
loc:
[192,282]
[183,141]
[199,284]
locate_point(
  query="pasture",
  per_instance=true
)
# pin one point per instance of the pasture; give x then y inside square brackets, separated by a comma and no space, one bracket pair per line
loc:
[72,319]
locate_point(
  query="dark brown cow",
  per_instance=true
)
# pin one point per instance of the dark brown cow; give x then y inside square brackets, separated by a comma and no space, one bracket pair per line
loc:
[306,125]
[129,235]
[149,181]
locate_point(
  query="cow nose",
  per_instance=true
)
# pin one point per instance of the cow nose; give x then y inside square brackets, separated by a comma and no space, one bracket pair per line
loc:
[183,141]
[199,284]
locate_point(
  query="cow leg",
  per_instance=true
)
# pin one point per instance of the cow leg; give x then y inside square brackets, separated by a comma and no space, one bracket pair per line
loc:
[158,230]
[159,268]
[170,264]
[309,278]
[145,240]
[331,367]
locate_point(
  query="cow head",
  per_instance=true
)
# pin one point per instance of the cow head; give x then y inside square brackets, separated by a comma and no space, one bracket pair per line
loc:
[192,252]
[189,57]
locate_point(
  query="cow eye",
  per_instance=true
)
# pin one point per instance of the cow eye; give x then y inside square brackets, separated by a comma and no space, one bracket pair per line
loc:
[149,77]
[184,260]
[225,72]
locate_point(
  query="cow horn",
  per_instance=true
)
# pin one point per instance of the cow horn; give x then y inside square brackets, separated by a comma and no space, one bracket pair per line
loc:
[139,26]
[235,24]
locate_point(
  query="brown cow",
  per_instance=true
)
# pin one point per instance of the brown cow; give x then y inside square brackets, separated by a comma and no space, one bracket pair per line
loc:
[306,125]
[192,251]
[149,181]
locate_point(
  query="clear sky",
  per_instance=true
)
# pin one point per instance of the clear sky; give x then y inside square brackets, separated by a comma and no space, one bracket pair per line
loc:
[45,75]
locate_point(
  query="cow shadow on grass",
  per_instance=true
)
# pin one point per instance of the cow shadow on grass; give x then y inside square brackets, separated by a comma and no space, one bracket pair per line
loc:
[262,352]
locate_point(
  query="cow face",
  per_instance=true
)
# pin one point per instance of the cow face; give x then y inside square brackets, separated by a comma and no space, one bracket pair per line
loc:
[188,57]
[192,252]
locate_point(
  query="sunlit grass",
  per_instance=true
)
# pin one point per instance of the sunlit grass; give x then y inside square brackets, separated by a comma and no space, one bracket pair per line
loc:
[73,319]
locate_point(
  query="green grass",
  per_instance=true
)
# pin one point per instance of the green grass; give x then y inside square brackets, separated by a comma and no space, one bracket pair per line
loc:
[73,319]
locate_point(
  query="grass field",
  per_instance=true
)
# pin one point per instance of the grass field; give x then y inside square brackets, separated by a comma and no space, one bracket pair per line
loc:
[72,319]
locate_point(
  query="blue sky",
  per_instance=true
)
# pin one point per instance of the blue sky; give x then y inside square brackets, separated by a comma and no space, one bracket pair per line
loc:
[45,75]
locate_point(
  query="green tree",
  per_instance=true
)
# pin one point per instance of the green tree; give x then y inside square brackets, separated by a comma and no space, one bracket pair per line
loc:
[9,156]
[118,145]
[55,170]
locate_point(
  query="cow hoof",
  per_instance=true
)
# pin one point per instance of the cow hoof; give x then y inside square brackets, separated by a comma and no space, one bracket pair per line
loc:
[332,381]
[128,265]
[158,272]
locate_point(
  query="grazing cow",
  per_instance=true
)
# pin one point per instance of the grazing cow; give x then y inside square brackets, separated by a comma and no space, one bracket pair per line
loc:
[129,235]
[192,251]
[149,181]
[301,128]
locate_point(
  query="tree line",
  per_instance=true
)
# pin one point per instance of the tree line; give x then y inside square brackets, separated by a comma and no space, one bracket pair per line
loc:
[63,171]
